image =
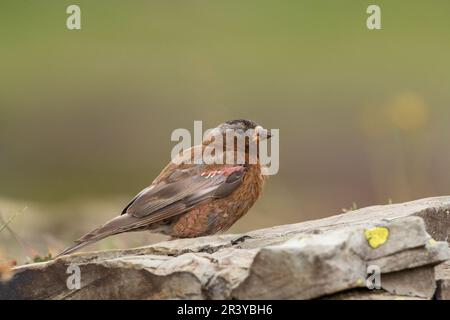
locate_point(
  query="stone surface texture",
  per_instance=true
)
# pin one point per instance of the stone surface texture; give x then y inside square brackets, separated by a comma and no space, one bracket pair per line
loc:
[396,251]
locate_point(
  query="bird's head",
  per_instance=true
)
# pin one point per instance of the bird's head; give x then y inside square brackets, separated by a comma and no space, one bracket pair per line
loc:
[239,129]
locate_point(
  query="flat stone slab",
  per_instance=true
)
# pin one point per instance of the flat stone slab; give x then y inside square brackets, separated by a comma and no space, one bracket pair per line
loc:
[393,247]
[443,281]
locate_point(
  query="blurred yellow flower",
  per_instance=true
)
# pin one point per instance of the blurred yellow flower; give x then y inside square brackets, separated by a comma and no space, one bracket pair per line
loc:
[407,111]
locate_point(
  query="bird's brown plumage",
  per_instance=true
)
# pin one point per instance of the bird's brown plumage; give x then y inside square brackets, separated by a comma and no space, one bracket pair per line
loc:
[187,200]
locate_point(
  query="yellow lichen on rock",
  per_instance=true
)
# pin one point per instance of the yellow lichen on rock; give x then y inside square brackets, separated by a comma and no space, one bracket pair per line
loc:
[376,236]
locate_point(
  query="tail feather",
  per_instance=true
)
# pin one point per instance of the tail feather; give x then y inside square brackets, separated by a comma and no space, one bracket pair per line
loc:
[73,248]
[117,225]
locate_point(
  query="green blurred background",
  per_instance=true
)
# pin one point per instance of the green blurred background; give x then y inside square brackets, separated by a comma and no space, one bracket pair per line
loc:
[86,116]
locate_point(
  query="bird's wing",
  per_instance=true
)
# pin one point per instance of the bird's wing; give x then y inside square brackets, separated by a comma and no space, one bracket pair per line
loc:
[177,194]
[185,189]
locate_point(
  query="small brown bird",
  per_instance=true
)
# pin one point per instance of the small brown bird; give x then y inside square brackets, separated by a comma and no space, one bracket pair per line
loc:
[191,198]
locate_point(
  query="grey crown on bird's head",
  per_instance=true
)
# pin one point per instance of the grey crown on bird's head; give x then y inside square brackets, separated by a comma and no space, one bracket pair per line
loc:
[241,126]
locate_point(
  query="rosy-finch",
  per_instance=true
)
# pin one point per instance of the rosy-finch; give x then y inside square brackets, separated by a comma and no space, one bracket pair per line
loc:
[194,198]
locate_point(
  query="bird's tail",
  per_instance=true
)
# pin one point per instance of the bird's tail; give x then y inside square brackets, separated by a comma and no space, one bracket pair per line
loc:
[115,226]
[73,248]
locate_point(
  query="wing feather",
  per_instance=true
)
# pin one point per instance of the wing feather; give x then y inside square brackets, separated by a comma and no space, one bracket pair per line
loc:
[163,200]
[189,190]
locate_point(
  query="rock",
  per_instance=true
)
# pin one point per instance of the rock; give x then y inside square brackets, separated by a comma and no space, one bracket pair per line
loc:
[443,281]
[415,282]
[334,261]
[365,294]
[336,257]
[443,292]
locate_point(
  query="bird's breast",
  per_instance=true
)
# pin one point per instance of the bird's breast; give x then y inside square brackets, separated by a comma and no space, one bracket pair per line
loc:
[220,214]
